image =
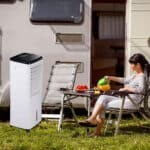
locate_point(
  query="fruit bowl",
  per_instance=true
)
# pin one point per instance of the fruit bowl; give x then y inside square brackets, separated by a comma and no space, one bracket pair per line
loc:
[81,88]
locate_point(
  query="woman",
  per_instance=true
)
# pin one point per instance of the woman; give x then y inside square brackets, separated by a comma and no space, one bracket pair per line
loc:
[135,83]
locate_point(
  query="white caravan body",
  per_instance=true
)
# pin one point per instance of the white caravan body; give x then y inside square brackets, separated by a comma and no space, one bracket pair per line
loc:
[19,35]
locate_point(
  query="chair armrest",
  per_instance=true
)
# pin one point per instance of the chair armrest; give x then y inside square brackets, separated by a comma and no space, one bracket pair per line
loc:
[119,93]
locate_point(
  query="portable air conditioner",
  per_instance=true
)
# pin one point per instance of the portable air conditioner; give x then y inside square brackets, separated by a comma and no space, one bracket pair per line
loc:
[25,90]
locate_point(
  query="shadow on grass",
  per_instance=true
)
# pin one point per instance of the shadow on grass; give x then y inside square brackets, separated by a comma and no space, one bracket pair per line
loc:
[129,130]
[70,125]
[125,130]
[4,114]
[136,129]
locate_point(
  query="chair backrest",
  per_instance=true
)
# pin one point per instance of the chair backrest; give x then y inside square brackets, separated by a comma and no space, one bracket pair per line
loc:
[147,90]
[62,75]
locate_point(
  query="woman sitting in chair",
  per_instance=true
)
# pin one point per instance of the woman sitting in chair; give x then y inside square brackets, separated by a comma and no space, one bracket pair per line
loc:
[135,83]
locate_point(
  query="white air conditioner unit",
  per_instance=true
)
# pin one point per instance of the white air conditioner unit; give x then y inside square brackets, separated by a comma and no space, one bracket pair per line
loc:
[25,90]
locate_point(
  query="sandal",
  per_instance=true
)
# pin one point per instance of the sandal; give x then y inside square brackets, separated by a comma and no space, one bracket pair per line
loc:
[87,124]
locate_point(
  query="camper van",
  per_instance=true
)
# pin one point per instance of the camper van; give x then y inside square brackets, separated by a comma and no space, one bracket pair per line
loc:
[98,34]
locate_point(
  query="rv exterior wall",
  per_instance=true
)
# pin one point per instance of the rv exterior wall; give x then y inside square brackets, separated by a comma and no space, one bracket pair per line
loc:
[138,31]
[20,35]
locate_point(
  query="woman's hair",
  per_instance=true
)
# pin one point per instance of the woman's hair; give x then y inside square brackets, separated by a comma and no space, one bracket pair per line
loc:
[138,58]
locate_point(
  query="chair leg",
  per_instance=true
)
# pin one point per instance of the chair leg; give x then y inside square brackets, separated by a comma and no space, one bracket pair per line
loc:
[136,119]
[73,113]
[145,117]
[117,125]
[61,114]
[60,119]
[142,114]
[107,122]
[88,106]
[119,117]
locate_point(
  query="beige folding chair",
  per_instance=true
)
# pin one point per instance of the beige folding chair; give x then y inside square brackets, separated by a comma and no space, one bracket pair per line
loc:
[62,76]
[123,108]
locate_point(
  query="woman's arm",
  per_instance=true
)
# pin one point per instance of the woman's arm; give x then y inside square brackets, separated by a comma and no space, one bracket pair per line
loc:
[129,89]
[137,87]
[121,80]
[116,79]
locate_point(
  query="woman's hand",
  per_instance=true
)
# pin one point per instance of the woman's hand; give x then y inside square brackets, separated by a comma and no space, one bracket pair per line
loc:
[129,89]
[107,77]
[123,89]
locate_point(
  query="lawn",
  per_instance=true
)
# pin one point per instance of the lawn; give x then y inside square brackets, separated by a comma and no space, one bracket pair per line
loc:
[72,137]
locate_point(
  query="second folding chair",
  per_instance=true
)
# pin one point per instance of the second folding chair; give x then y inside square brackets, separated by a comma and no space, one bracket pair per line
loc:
[62,76]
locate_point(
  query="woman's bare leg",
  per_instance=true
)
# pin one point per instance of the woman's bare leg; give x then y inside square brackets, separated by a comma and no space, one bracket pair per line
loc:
[100,122]
[97,110]
[97,132]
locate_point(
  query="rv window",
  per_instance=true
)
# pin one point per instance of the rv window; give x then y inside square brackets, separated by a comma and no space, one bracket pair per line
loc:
[56,11]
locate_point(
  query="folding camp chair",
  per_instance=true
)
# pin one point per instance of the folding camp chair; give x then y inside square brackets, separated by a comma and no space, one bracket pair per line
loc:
[62,76]
[123,108]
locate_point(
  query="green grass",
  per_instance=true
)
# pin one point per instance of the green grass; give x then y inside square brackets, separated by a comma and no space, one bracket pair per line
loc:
[72,137]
